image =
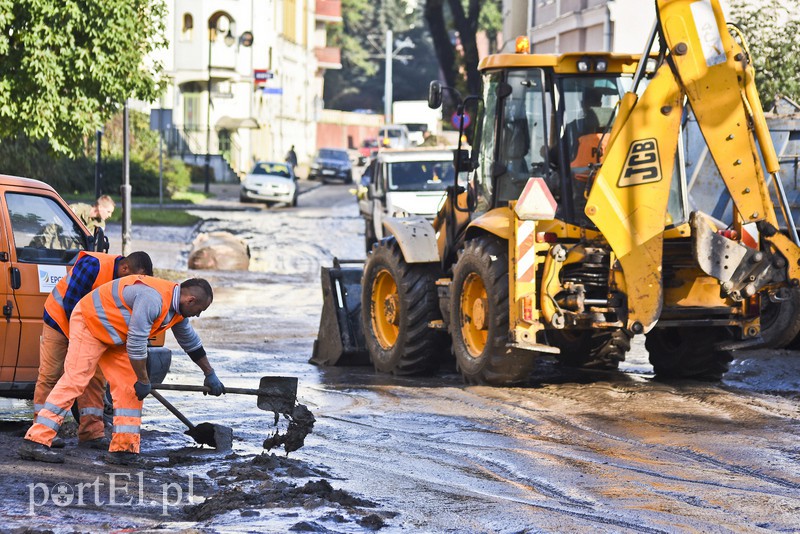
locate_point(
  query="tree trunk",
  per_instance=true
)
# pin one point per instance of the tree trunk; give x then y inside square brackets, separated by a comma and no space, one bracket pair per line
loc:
[467,25]
[434,15]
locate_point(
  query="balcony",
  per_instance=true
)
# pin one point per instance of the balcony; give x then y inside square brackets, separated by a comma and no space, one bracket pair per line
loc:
[328,10]
[328,57]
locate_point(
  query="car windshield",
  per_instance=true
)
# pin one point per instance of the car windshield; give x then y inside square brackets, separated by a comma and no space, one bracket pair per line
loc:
[420,175]
[333,154]
[392,132]
[275,169]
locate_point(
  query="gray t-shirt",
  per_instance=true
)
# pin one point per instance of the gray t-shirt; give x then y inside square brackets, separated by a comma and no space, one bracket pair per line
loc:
[145,303]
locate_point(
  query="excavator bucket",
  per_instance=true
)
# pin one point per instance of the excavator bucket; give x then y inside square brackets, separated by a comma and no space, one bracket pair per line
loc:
[341,339]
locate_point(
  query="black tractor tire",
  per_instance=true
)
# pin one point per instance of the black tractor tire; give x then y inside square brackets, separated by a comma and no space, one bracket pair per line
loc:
[780,321]
[689,352]
[398,301]
[481,274]
[591,349]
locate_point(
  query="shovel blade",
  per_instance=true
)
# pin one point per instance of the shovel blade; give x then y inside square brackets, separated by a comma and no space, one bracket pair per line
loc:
[217,436]
[277,394]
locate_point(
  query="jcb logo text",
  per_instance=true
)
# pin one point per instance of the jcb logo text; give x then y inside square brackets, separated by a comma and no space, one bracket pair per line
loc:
[643,164]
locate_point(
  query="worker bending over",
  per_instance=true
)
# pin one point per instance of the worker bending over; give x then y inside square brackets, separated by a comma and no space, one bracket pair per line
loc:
[90,271]
[110,327]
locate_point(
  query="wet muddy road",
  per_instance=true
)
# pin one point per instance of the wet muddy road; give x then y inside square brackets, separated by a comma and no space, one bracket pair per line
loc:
[570,451]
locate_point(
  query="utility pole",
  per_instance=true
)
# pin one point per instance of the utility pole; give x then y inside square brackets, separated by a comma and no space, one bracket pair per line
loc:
[388,53]
[125,189]
[387,81]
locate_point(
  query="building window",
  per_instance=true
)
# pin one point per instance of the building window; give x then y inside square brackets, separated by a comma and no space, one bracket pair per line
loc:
[188,27]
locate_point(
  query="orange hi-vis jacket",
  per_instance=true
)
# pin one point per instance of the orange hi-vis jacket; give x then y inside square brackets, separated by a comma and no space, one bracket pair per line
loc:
[107,315]
[54,305]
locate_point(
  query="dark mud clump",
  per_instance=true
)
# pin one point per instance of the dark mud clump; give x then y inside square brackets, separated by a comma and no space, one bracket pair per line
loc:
[277,494]
[301,423]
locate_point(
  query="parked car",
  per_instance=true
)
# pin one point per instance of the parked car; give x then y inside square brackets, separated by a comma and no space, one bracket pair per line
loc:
[271,182]
[332,163]
[398,183]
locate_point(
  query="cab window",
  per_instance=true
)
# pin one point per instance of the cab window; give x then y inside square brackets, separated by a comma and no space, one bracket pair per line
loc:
[42,230]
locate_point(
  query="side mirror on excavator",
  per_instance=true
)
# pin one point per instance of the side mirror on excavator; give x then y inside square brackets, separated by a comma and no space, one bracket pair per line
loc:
[462,161]
[434,95]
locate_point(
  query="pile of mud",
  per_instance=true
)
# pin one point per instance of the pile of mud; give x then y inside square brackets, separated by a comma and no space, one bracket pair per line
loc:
[264,483]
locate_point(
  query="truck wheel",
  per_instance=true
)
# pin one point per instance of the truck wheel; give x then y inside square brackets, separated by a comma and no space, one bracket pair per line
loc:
[689,352]
[780,321]
[398,300]
[479,316]
[591,349]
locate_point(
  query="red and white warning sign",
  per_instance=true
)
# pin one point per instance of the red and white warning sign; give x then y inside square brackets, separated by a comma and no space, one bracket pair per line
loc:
[536,203]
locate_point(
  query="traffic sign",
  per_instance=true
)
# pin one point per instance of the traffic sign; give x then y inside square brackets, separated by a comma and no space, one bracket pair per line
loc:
[456,119]
[536,203]
[262,75]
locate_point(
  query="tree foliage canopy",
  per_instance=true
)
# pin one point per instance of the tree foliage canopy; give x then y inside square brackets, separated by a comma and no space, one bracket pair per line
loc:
[67,65]
[772,31]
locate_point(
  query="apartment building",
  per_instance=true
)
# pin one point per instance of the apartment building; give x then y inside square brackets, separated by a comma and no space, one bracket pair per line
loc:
[559,26]
[245,79]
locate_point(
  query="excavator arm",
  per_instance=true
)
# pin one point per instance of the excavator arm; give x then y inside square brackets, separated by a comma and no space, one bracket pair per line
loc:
[706,68]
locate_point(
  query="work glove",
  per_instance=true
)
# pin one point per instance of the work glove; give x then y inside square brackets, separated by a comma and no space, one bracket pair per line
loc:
[213,383]
[142,390]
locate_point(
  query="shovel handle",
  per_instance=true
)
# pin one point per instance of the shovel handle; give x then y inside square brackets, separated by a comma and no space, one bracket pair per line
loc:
[204,389]
[172,408]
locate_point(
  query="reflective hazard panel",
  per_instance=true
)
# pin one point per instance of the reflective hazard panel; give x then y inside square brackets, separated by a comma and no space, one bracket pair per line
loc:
[536,203]
[643,164]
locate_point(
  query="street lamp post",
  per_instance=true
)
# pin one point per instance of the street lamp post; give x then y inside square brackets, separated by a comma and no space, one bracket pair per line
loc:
[212,28]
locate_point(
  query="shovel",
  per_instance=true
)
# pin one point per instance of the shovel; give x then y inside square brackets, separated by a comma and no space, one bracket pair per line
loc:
[216,436]
[276,394]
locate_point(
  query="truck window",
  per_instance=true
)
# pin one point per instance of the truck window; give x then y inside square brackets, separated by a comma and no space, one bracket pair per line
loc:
[420,175]
[43,232]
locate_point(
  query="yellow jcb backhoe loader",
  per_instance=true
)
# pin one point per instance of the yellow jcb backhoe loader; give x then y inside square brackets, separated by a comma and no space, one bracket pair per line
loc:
[575,231]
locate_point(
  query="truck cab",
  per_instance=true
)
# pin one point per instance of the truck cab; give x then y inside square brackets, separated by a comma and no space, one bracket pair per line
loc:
[40,238]
[398,183]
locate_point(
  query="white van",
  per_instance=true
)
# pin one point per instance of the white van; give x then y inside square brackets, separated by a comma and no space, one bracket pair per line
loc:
[396,135]
[398,183]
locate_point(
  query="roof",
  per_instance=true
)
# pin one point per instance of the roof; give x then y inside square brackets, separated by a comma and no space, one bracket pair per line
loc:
[19,181]
[564,63]
[416,154]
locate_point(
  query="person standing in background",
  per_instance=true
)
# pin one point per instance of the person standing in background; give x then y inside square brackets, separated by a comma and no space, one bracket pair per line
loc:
[94,216]
[291,157]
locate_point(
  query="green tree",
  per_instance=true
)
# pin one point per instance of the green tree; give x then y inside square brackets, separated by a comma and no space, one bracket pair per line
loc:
[464,18]
[772,31]
[361,37]
[66,65]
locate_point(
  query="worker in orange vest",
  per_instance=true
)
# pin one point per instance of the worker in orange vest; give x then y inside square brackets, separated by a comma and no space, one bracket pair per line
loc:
[90,271]
[109,327]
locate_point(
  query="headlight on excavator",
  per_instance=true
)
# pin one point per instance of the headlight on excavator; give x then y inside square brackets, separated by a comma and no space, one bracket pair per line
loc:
[601,64]
[584,64]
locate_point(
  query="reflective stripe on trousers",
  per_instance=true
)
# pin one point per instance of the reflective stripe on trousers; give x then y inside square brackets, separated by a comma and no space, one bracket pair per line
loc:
[52,354]
[84,355]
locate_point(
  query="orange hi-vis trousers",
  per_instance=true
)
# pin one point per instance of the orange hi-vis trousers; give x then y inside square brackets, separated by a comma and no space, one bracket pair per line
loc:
[52,353]
[84,354]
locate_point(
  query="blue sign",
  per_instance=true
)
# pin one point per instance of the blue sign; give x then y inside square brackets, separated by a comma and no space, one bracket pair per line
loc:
[457,119]
[272,90]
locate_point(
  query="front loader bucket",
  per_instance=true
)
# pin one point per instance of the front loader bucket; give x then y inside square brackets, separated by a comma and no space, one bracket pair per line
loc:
[341,339]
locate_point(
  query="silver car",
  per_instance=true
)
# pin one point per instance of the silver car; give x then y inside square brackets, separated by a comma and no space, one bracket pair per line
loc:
[270,182]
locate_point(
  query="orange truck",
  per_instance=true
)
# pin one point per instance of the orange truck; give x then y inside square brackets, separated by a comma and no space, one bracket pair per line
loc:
[40,238]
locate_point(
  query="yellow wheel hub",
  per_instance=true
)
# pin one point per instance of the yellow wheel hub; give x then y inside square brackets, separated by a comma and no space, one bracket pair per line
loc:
[474,314]
[385,312]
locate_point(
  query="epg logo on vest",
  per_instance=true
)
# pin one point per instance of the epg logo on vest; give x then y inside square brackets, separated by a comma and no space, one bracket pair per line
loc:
[643,164]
